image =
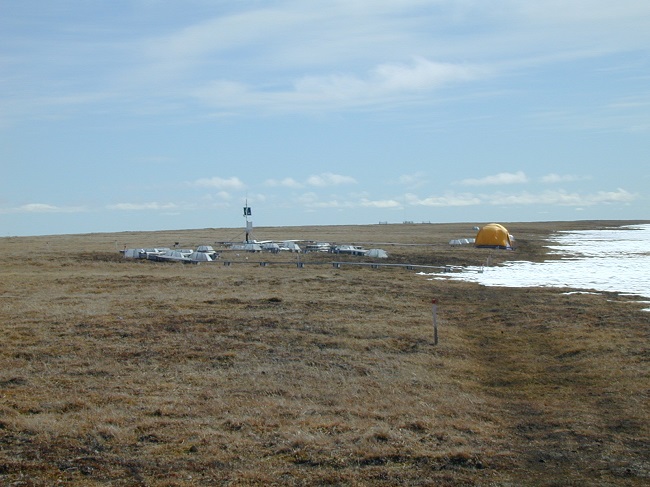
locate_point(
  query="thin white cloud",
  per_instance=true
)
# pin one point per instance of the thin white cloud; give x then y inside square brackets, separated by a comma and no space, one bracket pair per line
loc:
[561,198]
[384,80]
[327,55]
[389,203]
[334,204]
[518,177]
[618,196]
[314,42]
[384,83]
[545,198]
[312,200]
[39,208]
[195,43]
[599,118]
[316,180]
[301,34]
[307,198]
[284,183]
[580,12]
[232,183]
[553,178]
[448,199]
[414,180]
[142,206]
[218,199]
[329,179]
[259,198]
[43,208]
[422,74]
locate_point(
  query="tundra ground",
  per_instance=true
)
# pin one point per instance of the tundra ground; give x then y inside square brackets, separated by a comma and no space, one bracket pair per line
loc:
[297,372]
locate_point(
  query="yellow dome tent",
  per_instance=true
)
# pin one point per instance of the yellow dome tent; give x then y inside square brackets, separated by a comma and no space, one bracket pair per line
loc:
[493,236]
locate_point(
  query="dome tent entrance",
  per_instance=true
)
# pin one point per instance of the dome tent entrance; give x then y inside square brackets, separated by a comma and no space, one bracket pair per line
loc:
[493,236]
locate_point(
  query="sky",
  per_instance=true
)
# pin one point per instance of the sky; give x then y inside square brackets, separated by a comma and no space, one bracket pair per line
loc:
[155,115]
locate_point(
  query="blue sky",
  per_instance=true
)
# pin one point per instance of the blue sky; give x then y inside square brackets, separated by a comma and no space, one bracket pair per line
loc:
[152,115]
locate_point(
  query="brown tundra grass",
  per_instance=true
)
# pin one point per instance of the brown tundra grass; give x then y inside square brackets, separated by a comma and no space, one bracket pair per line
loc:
[127,373]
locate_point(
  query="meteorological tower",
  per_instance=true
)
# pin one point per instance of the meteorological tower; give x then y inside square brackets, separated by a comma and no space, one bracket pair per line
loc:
[249,224]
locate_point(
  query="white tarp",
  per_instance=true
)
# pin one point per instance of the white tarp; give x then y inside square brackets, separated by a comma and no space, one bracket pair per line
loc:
[252,247]
[133,253]
[271,247]
[377,253]
[290,246]
[200,257]
[205,248]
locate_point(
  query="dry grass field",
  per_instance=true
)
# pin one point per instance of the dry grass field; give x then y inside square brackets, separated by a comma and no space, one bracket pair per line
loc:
[137,373]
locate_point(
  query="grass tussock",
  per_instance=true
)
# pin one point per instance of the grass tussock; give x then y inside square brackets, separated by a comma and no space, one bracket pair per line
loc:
[116,372]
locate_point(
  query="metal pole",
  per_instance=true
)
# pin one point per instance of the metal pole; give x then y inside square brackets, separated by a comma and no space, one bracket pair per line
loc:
[435,321]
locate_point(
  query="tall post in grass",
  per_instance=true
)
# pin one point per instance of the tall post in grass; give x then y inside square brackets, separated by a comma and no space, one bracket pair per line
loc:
[434,303]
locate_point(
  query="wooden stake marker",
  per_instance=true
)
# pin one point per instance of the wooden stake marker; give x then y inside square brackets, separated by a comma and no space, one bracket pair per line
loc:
[434,302]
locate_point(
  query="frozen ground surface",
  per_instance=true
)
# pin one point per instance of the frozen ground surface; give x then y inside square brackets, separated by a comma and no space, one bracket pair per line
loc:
[616,260]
